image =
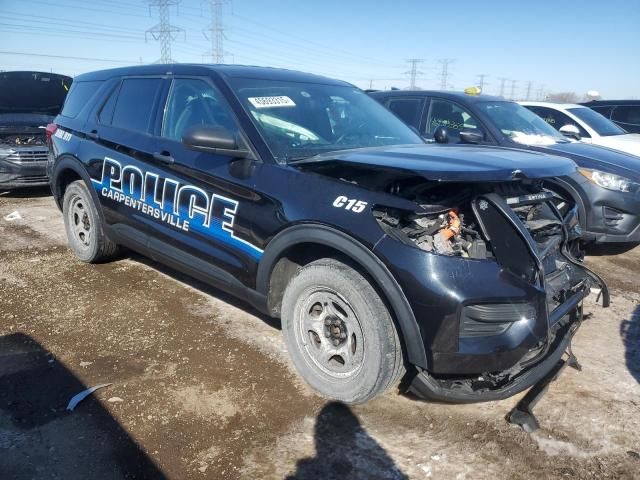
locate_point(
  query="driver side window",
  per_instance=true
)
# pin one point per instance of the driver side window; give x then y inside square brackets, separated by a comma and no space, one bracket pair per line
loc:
[454,118]
[194,102]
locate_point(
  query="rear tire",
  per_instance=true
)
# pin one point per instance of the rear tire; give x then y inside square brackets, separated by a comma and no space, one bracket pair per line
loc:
[83,226]
[339,333]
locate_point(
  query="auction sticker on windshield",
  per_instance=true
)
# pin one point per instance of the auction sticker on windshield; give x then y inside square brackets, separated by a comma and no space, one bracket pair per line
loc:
[271,102]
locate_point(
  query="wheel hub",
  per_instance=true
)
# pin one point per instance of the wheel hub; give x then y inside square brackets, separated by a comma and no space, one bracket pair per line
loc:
[335,330]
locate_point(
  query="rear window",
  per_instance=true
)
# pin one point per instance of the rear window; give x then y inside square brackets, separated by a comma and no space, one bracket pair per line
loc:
[408,109]
[79,96]
[134,107]
[33,92]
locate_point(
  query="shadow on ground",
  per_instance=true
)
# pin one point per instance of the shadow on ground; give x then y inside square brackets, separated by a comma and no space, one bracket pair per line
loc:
[26,192]
[204,288]
[344,450]
[39,438]
[630,333]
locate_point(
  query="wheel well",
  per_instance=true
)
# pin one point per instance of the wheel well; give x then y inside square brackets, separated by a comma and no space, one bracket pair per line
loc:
[63,180]
[289,264]
[297,256]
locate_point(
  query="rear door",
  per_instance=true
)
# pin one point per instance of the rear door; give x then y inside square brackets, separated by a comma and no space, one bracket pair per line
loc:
[121,136]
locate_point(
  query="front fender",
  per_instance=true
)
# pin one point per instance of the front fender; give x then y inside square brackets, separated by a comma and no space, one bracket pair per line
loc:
[366,259]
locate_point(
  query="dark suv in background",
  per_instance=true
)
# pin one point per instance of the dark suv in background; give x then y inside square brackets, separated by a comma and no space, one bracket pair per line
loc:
[625,113]
[606,187]
[28,102]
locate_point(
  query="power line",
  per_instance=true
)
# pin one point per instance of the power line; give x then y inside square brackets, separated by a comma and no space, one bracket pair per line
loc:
[216,31]
[444,73]
[502,82]
[413,72]
[529,85]
[482,83]
[164,31]
[513,89]
[65,57]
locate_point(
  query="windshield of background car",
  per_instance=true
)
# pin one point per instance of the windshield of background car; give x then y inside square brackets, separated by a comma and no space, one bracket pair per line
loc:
[299,120]
[603,126]
[32,92]
[520,124]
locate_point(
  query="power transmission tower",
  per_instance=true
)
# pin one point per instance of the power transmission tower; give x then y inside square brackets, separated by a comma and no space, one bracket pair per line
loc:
[481,83]
[529,85]
[513,89]
[502,82]
[413,72]
[444,74]
[216,31]
[540,95]
[164,31]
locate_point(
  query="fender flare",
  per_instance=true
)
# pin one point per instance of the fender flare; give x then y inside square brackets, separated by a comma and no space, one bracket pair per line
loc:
[71,163]
[356,251]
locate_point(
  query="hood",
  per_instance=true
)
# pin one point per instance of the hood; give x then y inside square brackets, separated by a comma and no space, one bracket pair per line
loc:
[33,92]
[12,121]
[454,163]
[628,143]
[598,158]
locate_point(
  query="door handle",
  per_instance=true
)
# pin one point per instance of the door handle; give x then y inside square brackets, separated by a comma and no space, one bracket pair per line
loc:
[164,157]
[93,135]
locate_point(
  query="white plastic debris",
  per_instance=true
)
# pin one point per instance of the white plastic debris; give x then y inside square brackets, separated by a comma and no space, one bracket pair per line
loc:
[115,400]
[76,399]
[13,216]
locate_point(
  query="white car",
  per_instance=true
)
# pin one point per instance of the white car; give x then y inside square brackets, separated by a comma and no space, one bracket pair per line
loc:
[586,125]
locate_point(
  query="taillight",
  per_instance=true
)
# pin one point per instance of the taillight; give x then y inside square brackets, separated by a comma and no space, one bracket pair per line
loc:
[50,130]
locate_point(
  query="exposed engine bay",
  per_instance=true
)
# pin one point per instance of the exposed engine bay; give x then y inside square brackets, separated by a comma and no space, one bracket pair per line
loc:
[22,140]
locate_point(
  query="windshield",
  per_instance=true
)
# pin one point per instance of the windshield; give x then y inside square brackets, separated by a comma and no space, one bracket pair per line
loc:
[602,125]
[298,120]
[32,92]
[520,124]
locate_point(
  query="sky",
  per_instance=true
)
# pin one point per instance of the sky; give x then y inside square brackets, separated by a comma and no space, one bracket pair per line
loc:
[547,46]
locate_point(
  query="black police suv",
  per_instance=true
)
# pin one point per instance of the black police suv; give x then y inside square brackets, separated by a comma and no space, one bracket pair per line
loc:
[312,202]
[28,102]
[625,113]
[605,188]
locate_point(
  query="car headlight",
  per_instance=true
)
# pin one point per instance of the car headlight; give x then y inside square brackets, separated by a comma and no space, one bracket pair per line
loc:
[608,180]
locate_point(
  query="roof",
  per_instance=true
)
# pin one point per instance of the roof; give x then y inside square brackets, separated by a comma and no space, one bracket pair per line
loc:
[556,106]
[438,93]
[231,71]
[595,103]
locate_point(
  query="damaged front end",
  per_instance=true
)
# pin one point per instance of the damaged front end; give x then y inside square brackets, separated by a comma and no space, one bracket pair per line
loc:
[493,272]
[519,227]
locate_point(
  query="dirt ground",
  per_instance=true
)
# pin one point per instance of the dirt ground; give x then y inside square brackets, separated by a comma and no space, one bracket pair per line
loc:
[201,387]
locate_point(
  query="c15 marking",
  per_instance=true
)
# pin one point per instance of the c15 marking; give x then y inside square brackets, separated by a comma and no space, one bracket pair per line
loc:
[352,204]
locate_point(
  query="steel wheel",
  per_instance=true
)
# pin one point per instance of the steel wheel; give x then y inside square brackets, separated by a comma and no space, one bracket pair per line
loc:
[330,333]
[80,221]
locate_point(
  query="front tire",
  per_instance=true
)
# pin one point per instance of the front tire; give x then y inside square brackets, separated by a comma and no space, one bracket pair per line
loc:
[83,226]
[339,333]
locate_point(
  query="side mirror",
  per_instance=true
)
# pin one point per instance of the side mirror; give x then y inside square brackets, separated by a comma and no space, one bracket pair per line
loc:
[441,135]
[467,136]
[570,131]
[213,139]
